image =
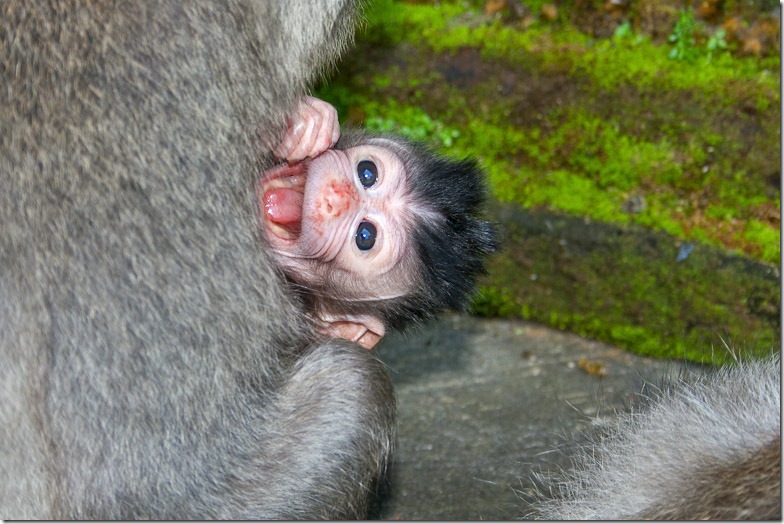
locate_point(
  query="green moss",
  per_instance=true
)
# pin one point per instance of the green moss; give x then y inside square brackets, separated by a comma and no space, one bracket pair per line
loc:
[597,149]
[765,236]
[610,63]
[574,194]
[382,81]
[613,284]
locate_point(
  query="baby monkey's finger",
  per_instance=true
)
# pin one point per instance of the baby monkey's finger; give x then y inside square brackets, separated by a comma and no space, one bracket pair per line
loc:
[329,130]
[305,141]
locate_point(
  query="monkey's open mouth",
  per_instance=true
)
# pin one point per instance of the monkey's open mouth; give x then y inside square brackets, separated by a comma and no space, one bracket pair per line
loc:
[281,192]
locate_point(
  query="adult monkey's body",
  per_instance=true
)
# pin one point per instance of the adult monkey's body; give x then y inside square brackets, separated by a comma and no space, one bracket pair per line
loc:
[151,362]
[704,448]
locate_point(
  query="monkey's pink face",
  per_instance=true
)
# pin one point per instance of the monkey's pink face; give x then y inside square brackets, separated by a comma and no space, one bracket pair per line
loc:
[342,217]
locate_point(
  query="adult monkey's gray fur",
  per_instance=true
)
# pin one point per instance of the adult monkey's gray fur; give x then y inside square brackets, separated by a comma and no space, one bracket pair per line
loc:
[151,362]
[709,448]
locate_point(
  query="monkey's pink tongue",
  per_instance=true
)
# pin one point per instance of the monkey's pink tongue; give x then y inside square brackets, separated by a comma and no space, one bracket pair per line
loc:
[283,206]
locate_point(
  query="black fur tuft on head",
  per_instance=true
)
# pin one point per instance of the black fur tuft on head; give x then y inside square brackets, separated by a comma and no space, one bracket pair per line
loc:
[452,250]
[450,241]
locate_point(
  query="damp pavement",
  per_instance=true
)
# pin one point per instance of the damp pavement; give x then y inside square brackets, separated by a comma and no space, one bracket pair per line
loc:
[484,405]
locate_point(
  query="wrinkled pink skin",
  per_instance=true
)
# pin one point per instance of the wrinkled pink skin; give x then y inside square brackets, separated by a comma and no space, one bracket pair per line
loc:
[310,209]
[314,129]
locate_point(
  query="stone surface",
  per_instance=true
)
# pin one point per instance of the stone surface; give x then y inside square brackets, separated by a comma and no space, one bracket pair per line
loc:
[485,404]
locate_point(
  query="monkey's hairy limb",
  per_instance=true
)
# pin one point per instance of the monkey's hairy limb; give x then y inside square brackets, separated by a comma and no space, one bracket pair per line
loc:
[151,359]
[705,450]
[324,419]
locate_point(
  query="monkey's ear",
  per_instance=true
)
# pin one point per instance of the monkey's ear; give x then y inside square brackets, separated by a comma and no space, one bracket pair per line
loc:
[365,330]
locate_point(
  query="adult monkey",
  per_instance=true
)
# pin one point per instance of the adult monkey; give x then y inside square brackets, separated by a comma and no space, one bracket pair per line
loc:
[705,448]
[151,363]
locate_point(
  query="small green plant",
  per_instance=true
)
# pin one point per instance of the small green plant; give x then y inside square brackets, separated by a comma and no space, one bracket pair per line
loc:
[625,33]
[682,37]
[716,43]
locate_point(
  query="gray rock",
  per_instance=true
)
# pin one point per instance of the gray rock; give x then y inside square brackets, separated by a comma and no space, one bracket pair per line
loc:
[486,404]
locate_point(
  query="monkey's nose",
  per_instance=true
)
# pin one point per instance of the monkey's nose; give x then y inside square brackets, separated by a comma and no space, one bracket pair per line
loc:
[338,199]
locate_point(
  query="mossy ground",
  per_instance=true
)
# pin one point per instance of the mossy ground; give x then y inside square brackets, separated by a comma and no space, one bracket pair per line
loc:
[614,129]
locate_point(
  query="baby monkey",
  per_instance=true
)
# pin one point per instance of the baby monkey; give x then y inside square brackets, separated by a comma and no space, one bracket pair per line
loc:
[375,231]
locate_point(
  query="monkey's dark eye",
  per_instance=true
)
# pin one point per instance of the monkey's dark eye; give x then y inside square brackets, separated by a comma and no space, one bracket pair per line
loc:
[368,173]
[366,236]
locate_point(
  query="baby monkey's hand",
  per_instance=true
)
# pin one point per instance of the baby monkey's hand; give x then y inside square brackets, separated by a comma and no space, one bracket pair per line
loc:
[366,334]
[313,130]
